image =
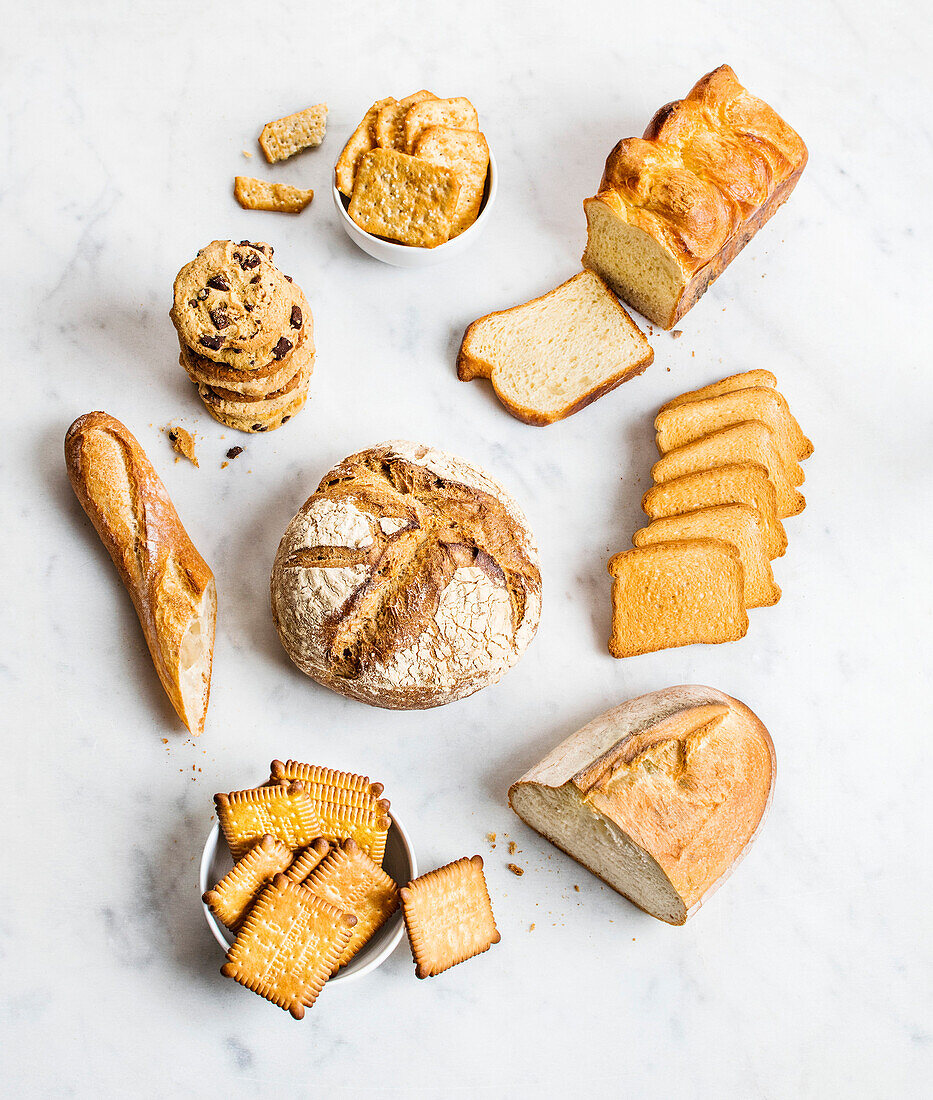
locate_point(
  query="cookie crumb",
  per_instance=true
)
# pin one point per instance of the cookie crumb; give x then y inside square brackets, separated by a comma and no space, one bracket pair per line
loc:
[515,869]
[513,847]
[577,888]
[224,465]
[531,927]
[182,442]
[234,451]
[491,837]
[676,334]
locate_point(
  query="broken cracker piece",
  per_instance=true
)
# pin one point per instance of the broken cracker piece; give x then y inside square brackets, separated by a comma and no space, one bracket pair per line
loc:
[232,897]
[404,199]
[283,812]
[287,136]
[288,946]
[182,442]
[282,198]
[448,916]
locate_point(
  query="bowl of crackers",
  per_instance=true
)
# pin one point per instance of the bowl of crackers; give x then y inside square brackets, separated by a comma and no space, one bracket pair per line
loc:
[416,181]
[309,824]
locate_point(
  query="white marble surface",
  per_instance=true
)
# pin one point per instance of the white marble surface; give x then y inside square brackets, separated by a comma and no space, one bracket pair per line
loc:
[808,975]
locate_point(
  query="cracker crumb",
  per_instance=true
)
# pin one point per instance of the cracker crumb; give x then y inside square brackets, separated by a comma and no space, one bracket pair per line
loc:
[515,869]
[182,442]
[248,154]
[513,847]
[531,927]
[491,837]
[676,334]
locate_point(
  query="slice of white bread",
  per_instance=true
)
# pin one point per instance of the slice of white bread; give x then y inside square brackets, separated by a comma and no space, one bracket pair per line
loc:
[745,380]
[740,483]
[694,419]
[661,797]
[676,593]
[737,524]
[554,355]
[750,441]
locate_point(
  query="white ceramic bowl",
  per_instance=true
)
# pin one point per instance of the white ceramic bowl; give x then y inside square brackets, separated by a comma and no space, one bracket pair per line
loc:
[405,255]
[399,862]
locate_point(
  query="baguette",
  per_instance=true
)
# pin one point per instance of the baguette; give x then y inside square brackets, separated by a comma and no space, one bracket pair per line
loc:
[169,583]
[660,797]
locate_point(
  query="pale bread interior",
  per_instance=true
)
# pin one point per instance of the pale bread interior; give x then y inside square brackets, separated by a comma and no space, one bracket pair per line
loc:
[560,815]
[546,356]
[632,262]
[194,660]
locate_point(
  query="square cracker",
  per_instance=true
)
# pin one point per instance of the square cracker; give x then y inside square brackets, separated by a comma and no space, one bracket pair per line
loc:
[232,897]
[281,198]
[283,812]
[458,114]
[448,916]
[404,199]
[466,153]
[307,859]
[361,141]
[288,946]
[351,881]
[387,129]
[287,136]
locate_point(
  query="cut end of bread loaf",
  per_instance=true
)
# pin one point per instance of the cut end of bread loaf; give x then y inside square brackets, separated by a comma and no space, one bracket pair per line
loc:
[556,354]
[195,659]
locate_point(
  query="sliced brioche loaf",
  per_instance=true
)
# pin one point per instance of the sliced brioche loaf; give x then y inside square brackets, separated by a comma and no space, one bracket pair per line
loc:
[554,355]
[750,441]
[734,523]
[740,483]
[676,593]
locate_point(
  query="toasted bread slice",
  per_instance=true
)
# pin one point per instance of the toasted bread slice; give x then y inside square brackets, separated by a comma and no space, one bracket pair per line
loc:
[744,381]
[750,441]
[741,483]
[676,593]
[734,523]
[554,355]
[690,421]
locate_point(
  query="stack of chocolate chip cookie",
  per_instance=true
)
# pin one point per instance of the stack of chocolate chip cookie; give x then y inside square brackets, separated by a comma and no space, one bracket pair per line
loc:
[246,335]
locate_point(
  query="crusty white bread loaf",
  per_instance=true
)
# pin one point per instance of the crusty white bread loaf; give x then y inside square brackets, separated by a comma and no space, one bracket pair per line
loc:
[737,524]
[675,207]
[660,797]
[740,483]
[172,588]
[683,424]
[554,355]
[749,441]
[676,593]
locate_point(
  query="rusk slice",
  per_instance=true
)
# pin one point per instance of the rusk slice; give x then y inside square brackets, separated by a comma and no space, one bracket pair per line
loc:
[289,946]
[744,381]
[448,916]
[351,881]
[283,812]
[741,483]
[733,523]
[690,421]
[554,355]
[750,441]
[675,594]
[232,897]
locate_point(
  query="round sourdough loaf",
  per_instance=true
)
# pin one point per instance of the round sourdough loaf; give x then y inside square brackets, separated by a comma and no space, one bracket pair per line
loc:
[408,580]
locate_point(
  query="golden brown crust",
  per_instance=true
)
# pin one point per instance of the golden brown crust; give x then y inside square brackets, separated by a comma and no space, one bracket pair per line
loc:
[167,579]
[711,169]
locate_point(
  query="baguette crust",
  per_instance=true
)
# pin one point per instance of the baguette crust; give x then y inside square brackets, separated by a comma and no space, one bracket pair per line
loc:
[697,828]
[710,170]
[169,582]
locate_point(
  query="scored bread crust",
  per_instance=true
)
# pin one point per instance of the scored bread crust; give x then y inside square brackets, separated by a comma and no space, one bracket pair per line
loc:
[692,824]
[409,579]
[169,582]
[711,169]
[470,365]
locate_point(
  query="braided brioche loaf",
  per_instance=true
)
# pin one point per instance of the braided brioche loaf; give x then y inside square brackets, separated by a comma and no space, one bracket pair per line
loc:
[675,207]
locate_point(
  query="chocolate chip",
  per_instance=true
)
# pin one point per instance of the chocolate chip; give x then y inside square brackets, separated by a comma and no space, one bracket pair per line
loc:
[285,419]
[255,279]
[259,427]
[202,294]
[173,435]
[193,302]
[215,343]
[234,451]
[282,348]
[289,279]
[246,260]
[218,282]
[249,307]
[220,318]
[296,317]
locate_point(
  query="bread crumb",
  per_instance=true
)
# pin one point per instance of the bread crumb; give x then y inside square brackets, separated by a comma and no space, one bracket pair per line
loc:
[182,442]
[247,153]
[515,869]
[513,847]
[676,334]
